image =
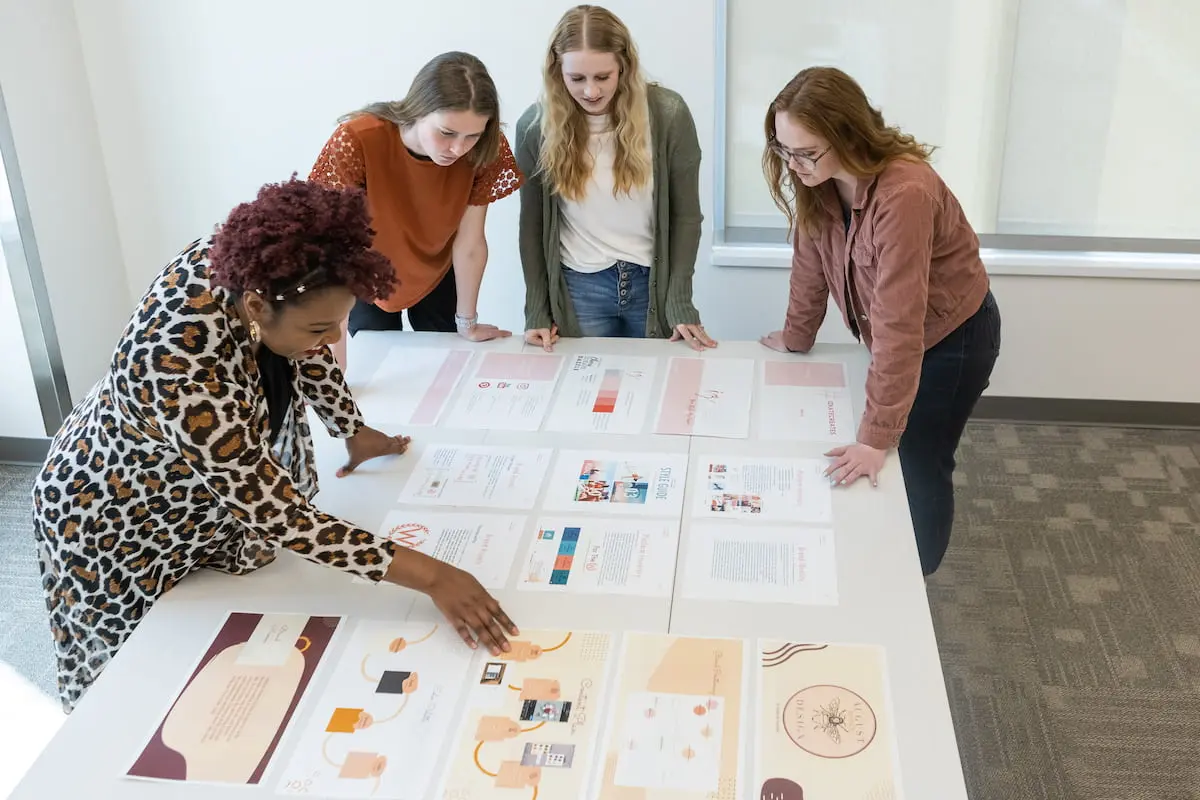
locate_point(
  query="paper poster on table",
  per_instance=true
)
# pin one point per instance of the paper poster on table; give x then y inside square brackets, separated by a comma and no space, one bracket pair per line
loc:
[806,401]
[707,397]
[824,726]
[477,475]
[603,394]
[776,489]
[760,564]
[675,726]
[612,482]
[226,723]
[481,544]
[412,386]
[383,717]
[506,392]
[601,556]
[532,718]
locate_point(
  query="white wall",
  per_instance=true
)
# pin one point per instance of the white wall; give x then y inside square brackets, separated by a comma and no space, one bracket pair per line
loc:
[50,112]
[197,104]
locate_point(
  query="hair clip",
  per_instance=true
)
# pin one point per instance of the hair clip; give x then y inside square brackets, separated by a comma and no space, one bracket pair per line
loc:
[298,290]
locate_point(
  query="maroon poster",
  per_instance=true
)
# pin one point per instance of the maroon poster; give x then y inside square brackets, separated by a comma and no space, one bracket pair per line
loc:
[227,721]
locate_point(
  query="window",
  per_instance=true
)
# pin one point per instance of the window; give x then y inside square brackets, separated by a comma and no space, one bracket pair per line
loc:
[1060,124]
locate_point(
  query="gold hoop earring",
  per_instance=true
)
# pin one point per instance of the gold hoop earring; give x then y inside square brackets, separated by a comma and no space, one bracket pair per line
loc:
[255,332]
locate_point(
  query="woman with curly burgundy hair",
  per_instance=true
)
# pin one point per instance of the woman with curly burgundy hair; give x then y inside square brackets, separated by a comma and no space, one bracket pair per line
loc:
[194,450]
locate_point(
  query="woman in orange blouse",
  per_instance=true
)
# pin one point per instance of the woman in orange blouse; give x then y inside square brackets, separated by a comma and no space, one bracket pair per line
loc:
[430,163]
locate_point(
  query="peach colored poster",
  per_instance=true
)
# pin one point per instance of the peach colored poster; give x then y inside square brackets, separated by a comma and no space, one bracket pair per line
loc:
[531,720]
[381,719]
[226,723]
[675,731]
[824,723]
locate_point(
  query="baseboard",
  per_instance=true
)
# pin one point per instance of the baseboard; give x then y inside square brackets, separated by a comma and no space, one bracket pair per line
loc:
[23,451]
[1118,413]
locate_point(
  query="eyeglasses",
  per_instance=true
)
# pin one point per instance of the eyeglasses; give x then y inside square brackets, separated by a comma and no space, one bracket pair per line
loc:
[787,155]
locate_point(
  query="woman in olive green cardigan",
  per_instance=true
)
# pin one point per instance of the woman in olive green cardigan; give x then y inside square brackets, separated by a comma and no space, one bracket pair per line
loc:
[610,210]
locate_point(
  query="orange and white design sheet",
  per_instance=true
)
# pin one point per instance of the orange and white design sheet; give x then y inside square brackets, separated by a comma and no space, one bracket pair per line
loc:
[226,723]
[675,729]
[824,724]
[532,718]
[381,721]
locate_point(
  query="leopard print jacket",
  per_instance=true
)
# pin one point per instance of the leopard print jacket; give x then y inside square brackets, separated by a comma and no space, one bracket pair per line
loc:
[165,468]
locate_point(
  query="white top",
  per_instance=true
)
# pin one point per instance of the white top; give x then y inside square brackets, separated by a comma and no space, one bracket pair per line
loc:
[601,229]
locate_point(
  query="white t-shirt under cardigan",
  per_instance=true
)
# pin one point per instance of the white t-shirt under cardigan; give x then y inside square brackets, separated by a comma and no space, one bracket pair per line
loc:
[599,229]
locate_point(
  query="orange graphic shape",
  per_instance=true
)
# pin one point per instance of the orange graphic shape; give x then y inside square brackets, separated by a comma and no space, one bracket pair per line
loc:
[345,720]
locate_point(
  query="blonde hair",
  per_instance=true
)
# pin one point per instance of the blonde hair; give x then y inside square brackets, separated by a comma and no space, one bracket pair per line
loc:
[832,105]
[453,81]
[565,160]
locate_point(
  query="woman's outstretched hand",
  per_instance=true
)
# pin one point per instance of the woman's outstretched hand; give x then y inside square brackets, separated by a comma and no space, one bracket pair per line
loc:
[369,443]
[473,612]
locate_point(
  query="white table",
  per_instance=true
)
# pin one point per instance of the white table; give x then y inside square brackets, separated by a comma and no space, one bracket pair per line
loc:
[881,595]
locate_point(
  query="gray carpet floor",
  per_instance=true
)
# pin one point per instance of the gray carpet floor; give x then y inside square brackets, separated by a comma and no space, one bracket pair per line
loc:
[1067,611]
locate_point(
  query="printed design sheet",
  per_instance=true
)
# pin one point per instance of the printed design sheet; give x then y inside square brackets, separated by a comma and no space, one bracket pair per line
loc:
[675,728]
[482,544]
[645,484]
[707,397]
[532,718]
[609,556]
[824,725]
[491,477]
[382,719]
[225,725]
[783,489]
[603,394]
[412,386]
[760,564]
[806,401]
[506,391]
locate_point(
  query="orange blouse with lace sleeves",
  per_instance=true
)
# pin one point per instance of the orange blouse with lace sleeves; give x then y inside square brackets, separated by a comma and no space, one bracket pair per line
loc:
[416,205]
[341,163]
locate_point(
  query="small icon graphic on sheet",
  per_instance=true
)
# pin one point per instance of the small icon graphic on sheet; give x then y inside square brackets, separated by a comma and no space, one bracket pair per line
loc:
[408,534]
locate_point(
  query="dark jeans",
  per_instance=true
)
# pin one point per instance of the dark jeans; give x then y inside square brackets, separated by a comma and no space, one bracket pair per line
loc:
[954,373]
[611,303]
[433,312]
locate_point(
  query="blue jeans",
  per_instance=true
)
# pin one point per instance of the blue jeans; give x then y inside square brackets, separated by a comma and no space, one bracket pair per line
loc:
[612,302]
[954,373]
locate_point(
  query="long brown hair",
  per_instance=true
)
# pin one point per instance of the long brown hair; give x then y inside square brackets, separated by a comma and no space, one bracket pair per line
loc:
[565,160]
[453,81]
[832,105]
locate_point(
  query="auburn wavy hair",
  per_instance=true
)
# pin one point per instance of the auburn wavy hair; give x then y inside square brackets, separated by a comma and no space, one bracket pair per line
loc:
[565,160]
[297,234]
[832,105]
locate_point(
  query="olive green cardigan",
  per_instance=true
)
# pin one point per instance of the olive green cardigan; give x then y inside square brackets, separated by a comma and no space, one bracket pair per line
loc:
[677,221]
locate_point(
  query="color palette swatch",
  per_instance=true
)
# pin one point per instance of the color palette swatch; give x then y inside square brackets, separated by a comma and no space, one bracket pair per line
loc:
[566,554]
[606,397]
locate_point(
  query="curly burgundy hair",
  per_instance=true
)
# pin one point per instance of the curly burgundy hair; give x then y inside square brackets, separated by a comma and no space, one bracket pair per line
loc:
[297,236]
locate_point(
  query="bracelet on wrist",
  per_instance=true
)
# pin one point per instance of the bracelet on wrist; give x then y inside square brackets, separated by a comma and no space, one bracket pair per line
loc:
[465,323]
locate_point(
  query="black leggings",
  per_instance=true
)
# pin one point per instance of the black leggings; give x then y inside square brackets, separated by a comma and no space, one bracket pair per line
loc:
[433,312]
